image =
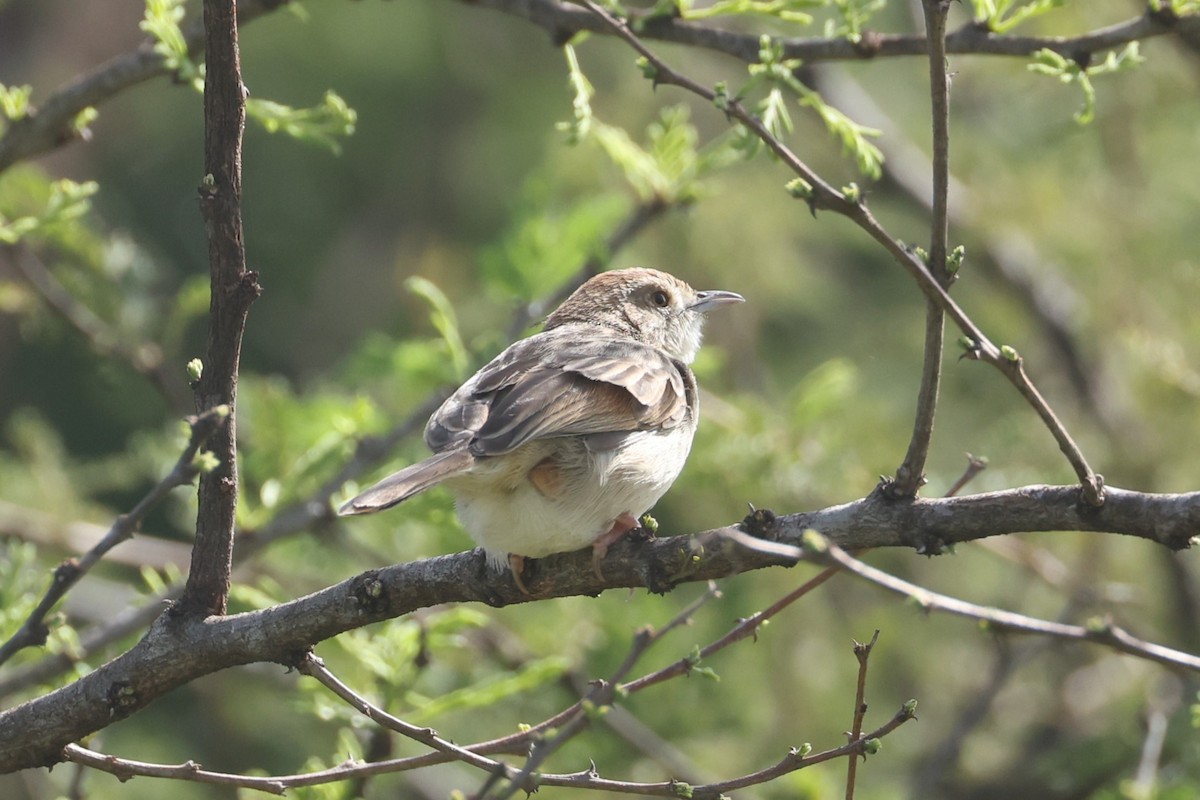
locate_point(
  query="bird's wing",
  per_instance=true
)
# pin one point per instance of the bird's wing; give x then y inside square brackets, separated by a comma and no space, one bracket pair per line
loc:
[563,383]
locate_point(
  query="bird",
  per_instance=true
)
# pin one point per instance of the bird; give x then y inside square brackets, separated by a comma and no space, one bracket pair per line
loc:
[567,437]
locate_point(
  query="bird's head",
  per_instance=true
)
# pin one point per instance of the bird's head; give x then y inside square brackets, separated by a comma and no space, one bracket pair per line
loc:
[647,305]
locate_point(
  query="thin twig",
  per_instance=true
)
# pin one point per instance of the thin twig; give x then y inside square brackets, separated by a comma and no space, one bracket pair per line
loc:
[34,631]
[146,358]
[1004,256]
[315,668]
[862,652]
[603,693]
[125,769]
[745,628]
[975,465]
[793,761]
[1100,631]
[822,196]
[910,475]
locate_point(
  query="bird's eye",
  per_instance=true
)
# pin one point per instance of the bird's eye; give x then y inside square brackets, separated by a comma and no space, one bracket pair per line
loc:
[660,299]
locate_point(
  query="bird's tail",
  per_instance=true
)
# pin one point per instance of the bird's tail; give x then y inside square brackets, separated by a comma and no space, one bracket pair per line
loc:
[399,486]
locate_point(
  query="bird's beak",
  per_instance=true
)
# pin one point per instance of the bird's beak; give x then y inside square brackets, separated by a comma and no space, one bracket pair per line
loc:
[707,301]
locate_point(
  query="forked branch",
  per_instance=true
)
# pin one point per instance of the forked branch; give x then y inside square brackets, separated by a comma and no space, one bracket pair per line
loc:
[822,196]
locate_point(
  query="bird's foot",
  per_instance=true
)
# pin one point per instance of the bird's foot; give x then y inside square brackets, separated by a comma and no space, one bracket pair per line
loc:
[516,563]
[621,526]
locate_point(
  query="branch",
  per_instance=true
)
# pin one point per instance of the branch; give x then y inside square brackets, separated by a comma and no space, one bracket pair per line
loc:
[796,760]
[930,524]
[125,769]
[603,693]
[820,195]
[51,124]
[862,652]
[910,475]
[562,20]
[315,668]
[93,640]
[233,289]
[34,631]
[303,514]
[180,649]
[744,629]
[567,723]
[145,358]
[1100,632]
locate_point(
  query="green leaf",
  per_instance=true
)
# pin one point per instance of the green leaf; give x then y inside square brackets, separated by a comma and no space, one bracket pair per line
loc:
[161,21]
[323,124]
[14,101]
[490,690]
[775,69]
[67,201]
[579,126]
[441,314]
[853,136]
[995,13]
[1048,62]
[852,18]
[783,10]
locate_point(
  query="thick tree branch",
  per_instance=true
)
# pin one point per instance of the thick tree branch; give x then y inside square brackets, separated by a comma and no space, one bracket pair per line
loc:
[51,124]
[33,631]
[566,723]
[233,289]
[562,19]
[180,649]
[91,641]
[316,508]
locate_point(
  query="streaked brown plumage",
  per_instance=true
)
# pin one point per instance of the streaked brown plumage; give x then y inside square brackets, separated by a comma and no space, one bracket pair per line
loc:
[567,437]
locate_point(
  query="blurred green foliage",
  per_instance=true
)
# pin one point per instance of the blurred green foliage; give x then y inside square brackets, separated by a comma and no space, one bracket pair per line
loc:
[396,266]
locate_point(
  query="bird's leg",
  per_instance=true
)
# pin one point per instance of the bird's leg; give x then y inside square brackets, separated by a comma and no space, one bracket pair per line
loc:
[621,526]
[516,563]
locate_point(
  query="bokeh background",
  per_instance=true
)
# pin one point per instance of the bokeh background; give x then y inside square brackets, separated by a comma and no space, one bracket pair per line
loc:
[1082,254]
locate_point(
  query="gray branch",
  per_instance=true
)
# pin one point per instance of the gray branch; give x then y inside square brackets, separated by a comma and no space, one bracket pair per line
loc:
[562,19]
[180,648]
[51,124]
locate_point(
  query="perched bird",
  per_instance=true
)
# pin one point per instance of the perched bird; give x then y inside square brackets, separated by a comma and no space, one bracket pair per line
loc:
[567,437]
